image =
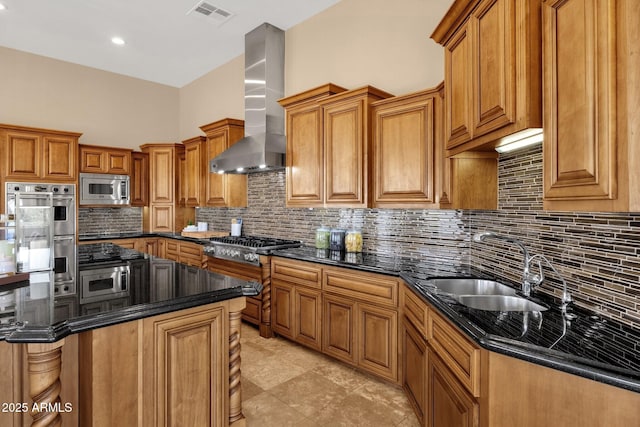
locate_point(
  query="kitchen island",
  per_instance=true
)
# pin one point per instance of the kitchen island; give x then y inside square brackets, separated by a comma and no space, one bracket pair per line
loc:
[161,348]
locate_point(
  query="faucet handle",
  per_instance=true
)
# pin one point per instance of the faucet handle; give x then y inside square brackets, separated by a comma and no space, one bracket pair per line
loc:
[535,279]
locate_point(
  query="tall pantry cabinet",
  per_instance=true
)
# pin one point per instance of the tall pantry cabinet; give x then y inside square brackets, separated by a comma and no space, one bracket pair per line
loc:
[163,213]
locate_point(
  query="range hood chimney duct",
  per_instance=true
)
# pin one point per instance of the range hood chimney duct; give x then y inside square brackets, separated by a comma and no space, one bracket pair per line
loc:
[263,146]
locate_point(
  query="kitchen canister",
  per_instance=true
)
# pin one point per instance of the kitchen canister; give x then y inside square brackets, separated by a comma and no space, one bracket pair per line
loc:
[322,237]
[353,241]
[336,239]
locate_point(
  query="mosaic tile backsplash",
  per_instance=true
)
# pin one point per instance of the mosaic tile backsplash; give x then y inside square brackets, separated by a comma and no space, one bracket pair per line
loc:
[109,220]
[596,253]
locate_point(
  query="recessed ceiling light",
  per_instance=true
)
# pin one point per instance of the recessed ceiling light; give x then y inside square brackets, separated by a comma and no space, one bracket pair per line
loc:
[2,7]
[117,40]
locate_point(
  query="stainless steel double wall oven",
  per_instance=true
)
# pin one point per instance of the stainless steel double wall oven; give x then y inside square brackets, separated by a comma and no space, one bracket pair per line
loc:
[64,226]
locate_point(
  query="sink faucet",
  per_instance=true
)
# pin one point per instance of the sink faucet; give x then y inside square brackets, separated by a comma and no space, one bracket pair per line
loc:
[528,280]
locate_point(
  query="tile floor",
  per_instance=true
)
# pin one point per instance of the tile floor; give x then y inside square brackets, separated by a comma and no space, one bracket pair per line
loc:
[285,384]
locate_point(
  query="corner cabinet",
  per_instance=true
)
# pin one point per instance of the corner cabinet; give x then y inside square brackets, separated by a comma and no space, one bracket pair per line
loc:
[492,71]
[226,190]
[328,144]
[440,367]
[40,155]
[591,75]
[410,169]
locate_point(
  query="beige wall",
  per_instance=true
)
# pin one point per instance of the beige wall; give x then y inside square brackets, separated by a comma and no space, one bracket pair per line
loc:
[109,109]
[214,96]
[354,43]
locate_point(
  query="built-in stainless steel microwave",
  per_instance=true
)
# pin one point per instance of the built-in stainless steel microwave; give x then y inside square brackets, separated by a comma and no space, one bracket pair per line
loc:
[103,189]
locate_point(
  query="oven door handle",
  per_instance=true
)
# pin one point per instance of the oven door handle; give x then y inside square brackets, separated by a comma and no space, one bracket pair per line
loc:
[63,237]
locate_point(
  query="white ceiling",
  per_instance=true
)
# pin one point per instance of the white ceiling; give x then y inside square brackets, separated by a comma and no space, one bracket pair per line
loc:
[163,43]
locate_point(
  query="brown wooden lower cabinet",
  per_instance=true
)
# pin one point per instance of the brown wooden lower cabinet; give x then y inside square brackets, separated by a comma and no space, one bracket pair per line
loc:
[174,369]
[346,314]
[448,403]
[451,382]
[414,374]
[339,328]
[296,314]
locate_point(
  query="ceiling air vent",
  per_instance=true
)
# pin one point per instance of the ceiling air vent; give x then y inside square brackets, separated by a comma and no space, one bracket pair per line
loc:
[210,11]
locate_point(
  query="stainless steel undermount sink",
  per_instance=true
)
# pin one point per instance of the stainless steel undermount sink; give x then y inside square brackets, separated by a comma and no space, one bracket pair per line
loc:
[470,286]
[499,303]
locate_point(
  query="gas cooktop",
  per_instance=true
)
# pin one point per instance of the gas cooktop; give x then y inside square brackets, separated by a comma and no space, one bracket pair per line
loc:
[256,242]
[246,249]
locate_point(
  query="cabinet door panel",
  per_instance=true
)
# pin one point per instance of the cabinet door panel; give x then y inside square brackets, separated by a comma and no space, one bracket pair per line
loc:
[162,173]
[457,66]
[494,64]
[282,311]
[378,340]
[23,155]
[304,156]
[185,375]
[404,153]
[580,105]
[118,162]
[59,158]
[414,369]
[338,338]
[92,160]
[449,404]
[139,179]
[216,144]
[308,326]
[344,156]
[192,175]
[162,218]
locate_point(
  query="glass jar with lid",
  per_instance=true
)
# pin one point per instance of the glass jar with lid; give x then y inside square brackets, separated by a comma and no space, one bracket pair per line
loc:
[336,240]
[353,241]
[322,237]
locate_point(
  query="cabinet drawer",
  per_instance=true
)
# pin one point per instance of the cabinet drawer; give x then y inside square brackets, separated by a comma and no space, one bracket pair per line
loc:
[459,354]
[298,273]
[190,250]
[372,288]
[415,310]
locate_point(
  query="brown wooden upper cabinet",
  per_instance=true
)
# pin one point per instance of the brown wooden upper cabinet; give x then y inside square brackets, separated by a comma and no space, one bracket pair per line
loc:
[492,71]
[410,169]
[31,154]
[226,190]
[407,151]
[591,93]
[193,178]
[328,144]
[98,159]
[139,179]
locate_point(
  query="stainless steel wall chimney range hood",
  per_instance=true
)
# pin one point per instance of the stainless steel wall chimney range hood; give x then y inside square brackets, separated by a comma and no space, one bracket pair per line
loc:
[264,144]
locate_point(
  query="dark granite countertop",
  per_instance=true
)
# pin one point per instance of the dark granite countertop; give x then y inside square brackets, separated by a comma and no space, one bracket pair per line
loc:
[135,235]
[582,343]
[29,311]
